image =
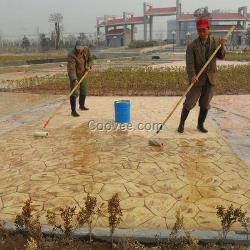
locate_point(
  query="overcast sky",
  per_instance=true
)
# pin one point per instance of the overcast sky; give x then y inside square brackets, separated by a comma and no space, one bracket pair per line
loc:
[19,17]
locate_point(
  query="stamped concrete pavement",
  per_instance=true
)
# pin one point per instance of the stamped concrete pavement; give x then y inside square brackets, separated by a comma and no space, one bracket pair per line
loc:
[192,173]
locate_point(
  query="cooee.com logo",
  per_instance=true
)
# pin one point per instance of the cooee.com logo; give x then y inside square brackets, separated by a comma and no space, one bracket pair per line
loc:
[112,126]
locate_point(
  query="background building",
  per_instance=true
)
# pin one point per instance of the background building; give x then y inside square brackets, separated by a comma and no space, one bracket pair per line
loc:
[118,38]
[181,29]
[220,24]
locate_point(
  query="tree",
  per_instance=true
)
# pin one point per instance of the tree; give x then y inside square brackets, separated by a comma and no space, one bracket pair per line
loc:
[44,42]
[53,39]
[1,40]
[25,42]
[56,19]
[82,37]
[70,41]
[202,13]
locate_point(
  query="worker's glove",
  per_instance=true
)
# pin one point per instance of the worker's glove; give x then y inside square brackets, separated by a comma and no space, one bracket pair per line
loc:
[90,68]
[75,82]
[194,80]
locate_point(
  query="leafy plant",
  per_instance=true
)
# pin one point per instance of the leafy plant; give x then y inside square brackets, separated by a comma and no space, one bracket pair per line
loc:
[25,217]
[178,225]
[178,241]
[32,238]
[245,223]
[115,215]
[130,244]
[27,222]
[138,81]
[31,245]
[89,214]
[66,215]
[233,56]
[228,217]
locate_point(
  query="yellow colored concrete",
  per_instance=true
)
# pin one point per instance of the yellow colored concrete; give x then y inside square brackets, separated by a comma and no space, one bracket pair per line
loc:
[193,173]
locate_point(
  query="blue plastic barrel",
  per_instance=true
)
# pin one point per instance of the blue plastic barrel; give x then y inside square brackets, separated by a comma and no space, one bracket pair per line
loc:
[122,111]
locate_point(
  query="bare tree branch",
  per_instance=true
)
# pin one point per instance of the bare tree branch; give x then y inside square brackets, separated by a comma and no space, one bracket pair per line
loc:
[56,19]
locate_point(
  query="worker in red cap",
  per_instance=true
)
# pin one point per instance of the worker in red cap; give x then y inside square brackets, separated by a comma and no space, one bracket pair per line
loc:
[197,54]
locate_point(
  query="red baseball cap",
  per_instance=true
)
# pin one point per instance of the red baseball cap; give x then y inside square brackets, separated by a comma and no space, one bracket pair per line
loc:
[202,24]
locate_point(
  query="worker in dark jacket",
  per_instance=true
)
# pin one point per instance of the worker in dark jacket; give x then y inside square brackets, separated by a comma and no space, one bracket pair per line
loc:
[79,61]
[197,54]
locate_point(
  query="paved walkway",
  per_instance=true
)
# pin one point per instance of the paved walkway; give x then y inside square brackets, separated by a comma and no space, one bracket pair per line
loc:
[29,71]
[183,64]
[193,172]
[231,114]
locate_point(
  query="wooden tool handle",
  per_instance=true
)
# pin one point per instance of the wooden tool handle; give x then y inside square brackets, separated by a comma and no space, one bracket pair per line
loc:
[198,75]
[215,52]
[72,91]
[77,85]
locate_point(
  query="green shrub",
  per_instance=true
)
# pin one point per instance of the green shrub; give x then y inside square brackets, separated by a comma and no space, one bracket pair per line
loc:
[140,82]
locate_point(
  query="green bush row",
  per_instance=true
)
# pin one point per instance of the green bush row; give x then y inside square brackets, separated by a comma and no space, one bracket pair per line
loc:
[140,81]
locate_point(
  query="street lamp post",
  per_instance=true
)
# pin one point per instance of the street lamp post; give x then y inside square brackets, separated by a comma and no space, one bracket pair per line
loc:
[173,33]
[98,40]
[188,34]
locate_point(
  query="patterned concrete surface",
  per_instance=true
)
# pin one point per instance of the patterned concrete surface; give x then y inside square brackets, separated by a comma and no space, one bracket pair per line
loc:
[14,102]
[192,173]
[232,115]
[28,71]
[183,64]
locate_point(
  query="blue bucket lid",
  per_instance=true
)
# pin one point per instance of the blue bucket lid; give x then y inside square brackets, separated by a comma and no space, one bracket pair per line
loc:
[121,101]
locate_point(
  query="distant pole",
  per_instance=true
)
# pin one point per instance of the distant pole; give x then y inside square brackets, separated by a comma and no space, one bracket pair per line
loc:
[38,37]
[173,33]
[132,32]
[151,28]
[124,28]
[98,40]
[188,36]
[145,21]
[178,23]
